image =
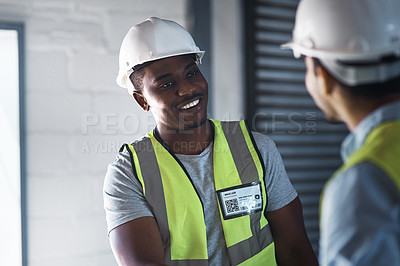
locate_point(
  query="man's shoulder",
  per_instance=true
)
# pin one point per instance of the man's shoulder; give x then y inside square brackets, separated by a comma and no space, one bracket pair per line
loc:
[136,142]
[139,140]
[365,173]
[263,141]
[260,137]
[123,155]
[359,183]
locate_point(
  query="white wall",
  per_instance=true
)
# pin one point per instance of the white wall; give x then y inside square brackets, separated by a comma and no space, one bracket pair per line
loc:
[228,70]
[76,117]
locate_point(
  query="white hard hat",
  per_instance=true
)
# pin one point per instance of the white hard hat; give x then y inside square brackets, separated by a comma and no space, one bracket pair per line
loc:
[151,40]
[356,31]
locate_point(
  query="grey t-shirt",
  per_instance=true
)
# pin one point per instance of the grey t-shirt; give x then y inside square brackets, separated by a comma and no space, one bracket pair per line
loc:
[124,199]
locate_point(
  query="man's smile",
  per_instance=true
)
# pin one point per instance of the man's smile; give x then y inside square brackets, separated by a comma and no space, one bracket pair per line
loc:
[190,105]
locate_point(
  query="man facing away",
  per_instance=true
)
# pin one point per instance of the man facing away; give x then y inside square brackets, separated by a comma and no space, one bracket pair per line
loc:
[195,191]
[352,55]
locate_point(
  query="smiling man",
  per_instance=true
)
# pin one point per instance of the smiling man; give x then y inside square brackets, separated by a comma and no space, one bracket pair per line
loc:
[194,191]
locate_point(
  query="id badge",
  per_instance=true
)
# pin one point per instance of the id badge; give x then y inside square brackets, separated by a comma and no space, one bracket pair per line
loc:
[240,200]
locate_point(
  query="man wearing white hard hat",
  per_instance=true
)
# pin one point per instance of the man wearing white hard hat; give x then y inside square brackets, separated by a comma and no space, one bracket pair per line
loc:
[352,55]
[194,191]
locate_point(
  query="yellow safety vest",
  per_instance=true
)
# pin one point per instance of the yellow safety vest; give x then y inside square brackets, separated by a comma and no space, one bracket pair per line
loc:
[382,148]
[179,211]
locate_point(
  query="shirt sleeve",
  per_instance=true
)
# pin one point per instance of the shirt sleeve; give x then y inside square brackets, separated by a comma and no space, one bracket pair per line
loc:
[280,191]
[360,219]
[123,194]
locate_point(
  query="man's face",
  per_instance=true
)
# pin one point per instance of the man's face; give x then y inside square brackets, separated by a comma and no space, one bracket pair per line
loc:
[176,92]
[316,86]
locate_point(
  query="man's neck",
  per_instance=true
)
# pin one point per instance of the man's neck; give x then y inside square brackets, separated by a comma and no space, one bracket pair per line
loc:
[190,141]
[357,111]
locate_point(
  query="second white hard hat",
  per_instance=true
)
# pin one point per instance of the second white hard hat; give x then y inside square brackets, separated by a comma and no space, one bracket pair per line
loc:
[348,31]
[151,40]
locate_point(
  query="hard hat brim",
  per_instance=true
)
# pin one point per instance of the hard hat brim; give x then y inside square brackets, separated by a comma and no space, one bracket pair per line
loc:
[301,50]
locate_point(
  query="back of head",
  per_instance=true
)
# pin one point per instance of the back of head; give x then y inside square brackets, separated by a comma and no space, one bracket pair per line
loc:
[151,40]
[357,41]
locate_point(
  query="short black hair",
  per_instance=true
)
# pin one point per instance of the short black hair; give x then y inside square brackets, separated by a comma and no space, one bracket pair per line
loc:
[137,79]
[371,90]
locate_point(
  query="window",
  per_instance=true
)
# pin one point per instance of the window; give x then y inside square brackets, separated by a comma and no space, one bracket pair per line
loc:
[278,105]
[12,145]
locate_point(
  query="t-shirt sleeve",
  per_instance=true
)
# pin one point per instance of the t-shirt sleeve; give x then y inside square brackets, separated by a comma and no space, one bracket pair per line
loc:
[123,194]
[280,191]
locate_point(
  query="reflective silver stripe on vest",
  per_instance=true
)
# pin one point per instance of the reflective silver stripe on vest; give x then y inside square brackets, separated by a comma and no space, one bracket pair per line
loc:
[154,192]
[189,263]
[248,173]
[250,247]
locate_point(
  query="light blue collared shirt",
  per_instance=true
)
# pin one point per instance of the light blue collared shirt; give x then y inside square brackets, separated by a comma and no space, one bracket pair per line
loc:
[360,214]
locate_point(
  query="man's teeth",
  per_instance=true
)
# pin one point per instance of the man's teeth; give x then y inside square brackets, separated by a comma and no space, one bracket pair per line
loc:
[190,105]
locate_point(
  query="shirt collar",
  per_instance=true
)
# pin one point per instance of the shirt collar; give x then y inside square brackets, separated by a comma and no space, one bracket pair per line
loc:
[355,139]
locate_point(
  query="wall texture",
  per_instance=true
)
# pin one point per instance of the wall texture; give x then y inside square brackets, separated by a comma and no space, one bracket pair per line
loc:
[227,63]
[77,117]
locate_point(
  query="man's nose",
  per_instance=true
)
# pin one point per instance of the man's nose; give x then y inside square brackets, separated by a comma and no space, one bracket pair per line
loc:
[186,88]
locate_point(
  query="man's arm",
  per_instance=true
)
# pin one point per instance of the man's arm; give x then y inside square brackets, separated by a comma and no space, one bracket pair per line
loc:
[137,242]
[292,246]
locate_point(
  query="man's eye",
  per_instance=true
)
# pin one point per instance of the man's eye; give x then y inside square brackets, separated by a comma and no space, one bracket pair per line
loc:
[192,74]
[167,84]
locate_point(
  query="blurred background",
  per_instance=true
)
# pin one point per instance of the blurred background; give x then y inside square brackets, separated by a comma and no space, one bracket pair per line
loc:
[63,118]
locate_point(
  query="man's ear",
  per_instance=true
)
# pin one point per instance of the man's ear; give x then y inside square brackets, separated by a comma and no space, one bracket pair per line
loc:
[141,100]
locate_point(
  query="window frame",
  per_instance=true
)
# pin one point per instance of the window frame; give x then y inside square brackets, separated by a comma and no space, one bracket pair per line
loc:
[19,27]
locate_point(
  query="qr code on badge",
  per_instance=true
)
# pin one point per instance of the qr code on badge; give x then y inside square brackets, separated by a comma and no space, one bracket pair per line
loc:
[232,205]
